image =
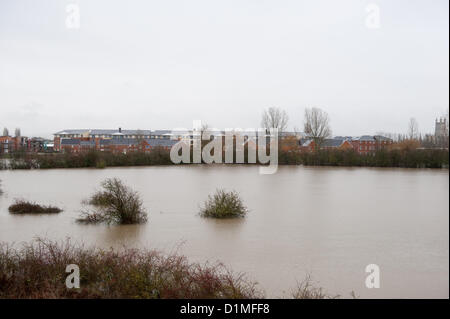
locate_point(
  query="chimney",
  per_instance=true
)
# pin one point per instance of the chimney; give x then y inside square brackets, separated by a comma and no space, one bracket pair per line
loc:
[120,130]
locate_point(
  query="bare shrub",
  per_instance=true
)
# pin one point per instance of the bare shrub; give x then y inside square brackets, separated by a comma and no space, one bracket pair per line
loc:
[306,290]
[116,203]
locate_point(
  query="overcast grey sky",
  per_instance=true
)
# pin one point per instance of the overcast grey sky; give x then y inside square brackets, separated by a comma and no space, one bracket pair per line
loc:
[162,64]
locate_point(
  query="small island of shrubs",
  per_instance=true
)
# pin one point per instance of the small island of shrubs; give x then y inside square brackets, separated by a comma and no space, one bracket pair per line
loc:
[223,204]
[25,207]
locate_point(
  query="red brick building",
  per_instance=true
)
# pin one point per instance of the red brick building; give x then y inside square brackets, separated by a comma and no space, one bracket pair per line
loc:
[117,144]
[364,145]
[369,145]
[8,144]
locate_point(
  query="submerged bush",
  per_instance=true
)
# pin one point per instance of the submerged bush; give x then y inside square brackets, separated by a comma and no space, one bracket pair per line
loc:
[38,270]
[223,205]
[24,207]
[99,199]
[116,203]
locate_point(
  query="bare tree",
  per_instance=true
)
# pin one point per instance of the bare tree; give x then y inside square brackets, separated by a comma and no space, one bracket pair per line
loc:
[5,132]
[115,203]
[275,117]
[317,125]
[413,129]
[205,128]
[17,132]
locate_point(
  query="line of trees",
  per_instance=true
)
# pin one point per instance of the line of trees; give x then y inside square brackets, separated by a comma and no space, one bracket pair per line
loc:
[395,157]
[316,125]
[407,158]
[316,122]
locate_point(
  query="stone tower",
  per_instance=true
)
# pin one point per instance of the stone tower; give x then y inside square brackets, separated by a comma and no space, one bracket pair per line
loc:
[441,128]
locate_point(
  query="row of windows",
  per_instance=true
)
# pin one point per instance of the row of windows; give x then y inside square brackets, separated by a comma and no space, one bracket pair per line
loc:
[370,148]
[109,136]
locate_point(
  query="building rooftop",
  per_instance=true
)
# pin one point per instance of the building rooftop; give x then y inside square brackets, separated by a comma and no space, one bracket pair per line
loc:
[116,132]
[133,141]
[332,142]
[365,138]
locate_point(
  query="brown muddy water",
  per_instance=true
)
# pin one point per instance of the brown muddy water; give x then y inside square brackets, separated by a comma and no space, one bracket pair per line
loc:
[326,222]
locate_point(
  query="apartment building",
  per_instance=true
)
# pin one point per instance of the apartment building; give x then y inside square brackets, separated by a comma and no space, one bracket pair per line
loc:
[364,145]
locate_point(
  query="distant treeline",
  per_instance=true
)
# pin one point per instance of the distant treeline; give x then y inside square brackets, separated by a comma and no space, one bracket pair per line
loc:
[87,159]
[414,158]
[417,158]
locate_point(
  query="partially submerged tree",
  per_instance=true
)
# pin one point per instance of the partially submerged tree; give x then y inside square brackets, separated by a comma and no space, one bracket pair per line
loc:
[275,117]
[223,205]
[116,203]
[317,125]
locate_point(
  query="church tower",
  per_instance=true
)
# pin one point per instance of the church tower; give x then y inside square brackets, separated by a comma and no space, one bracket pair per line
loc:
[441,128]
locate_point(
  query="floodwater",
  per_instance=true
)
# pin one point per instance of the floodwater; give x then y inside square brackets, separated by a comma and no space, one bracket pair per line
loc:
[329,223]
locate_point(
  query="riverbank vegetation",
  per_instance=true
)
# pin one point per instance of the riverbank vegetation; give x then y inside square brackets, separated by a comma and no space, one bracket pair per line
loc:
[25,207]
[417,158]
[223,204]
[38,270]
[307,290]
[288,155]
[115,203]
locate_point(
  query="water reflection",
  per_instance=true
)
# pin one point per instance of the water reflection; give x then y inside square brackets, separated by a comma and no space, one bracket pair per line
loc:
[121,234]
